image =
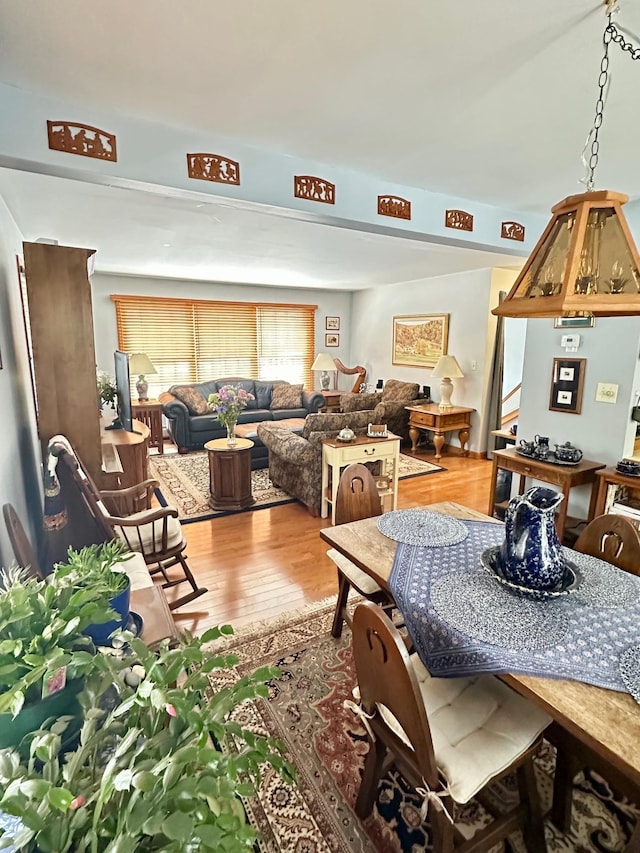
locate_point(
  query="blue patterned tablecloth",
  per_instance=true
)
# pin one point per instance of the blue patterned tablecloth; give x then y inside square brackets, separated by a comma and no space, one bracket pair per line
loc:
[463,620]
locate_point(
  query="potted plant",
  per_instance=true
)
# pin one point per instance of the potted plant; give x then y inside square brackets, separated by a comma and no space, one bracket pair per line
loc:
[43,652]
[164,768]
[93,567]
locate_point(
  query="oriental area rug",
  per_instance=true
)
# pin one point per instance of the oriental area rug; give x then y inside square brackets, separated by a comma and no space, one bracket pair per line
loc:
[184,483]
[327,745]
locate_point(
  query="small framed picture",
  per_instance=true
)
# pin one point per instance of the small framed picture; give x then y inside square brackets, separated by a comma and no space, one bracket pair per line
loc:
[332,340]
[574,322]
[332,324]
[567,381]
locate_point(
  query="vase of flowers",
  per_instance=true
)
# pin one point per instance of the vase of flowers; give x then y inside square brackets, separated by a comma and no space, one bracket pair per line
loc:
[107,389]
[227,403]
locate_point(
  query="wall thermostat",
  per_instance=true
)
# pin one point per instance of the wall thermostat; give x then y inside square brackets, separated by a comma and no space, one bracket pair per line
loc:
[570,342]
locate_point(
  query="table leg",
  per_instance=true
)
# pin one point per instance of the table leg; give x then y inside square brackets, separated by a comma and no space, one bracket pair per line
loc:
[335,479]
[324,504]
[414,435]
[492,487]
[463,438]
[562,513]
[438,443]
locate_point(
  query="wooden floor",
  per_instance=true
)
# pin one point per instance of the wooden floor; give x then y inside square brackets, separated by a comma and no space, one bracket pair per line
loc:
[256,565]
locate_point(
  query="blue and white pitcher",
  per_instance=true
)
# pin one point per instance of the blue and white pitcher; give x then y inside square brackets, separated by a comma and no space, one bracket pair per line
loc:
[531,553]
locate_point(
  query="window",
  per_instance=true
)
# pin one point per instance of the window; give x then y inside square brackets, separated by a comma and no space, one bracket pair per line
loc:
[196,340]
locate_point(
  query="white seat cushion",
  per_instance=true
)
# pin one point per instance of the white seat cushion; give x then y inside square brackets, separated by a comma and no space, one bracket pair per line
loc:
[479,726]
[136,568]
[146,533]
[358,579]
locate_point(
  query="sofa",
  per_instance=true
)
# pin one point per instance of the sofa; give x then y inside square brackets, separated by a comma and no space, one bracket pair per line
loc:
[388,406]
[192,424]
[295,460]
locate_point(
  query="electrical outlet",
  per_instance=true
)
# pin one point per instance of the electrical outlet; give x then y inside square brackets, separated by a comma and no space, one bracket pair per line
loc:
[606,392]
[474,365]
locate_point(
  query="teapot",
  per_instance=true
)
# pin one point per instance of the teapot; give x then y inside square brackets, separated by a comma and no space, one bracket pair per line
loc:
[346,434]
[568,453]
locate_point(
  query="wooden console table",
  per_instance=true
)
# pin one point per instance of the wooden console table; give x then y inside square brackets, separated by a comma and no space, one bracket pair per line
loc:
[564,476]
[150,413]
[439,421]
[230,474]
[336,455]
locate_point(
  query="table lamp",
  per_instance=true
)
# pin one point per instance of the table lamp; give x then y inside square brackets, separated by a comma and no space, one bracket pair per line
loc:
[447,369]
[324,363]
[140,363]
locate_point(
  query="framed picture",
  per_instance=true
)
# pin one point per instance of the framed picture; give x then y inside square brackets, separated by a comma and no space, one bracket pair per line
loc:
[419,339]
[567,381]
[332,340]
[332,324]
[574,322]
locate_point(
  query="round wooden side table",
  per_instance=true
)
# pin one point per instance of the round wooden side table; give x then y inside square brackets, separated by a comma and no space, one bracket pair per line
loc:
[230,474]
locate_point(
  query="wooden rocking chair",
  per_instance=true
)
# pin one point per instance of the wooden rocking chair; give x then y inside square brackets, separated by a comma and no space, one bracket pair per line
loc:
[155,533]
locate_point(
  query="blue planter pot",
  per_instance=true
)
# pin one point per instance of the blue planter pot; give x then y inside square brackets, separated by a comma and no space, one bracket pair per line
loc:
[100,633]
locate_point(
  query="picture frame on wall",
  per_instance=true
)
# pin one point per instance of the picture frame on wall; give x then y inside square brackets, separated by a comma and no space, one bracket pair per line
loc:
[331,340]
[419,339]
[332,324]
[567,382]
[574,322]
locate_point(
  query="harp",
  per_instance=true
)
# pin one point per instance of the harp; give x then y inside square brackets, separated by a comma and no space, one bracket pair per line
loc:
[359,369]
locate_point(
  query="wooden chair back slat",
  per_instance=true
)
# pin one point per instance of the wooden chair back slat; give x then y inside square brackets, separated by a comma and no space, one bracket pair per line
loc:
[357,496]
[612,538]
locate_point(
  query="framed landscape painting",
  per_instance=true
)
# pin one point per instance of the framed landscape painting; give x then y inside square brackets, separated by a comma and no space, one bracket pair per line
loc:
[419,339]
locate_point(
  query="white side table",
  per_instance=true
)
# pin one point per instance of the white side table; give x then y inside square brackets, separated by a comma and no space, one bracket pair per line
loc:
[336,455]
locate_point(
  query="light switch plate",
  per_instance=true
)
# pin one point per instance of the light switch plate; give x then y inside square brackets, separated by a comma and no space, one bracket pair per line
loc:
[606,392]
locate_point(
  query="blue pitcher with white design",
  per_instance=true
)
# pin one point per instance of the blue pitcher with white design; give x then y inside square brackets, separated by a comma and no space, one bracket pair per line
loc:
[531,553]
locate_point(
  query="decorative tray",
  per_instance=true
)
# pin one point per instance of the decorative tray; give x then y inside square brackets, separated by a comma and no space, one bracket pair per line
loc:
[491,563]
[550,457]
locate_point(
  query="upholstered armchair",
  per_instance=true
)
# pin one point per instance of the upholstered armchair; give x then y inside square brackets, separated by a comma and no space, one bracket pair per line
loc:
[388,407]
[295,460]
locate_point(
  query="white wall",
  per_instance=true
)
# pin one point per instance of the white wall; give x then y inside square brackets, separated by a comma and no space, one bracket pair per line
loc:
[330,303]
[466,297]
[603,431]
[20,471]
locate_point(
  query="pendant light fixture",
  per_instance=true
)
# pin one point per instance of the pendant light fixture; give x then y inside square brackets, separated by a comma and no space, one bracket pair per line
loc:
[586,262]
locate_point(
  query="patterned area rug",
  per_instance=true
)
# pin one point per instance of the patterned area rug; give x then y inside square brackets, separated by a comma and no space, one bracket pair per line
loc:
[184,483]
[327,745]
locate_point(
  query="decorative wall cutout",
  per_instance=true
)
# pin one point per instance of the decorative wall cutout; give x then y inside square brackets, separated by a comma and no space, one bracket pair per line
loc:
[459,219]
[75,138]
[393,205]
[213,167]
[512,231]
[314,189]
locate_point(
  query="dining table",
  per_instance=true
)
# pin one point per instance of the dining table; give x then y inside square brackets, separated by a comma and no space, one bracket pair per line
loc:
[605,720]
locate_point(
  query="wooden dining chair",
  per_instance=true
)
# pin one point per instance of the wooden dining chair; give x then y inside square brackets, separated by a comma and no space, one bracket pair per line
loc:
[155,533]
[357,498]
[614,539]
[22,548]
[448,737]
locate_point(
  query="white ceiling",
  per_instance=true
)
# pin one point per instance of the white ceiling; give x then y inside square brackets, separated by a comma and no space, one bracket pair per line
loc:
[486,99]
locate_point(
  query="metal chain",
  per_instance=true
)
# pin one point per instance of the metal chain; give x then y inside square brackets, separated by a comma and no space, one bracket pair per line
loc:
[611,34]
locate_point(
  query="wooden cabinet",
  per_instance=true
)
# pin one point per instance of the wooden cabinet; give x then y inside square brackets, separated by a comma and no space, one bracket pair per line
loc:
[613,487]
[59,323]
[429,416]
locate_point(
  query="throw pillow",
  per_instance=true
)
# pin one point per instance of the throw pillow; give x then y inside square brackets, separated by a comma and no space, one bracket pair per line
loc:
[263,394]
[286,396]
[193,399]
[398,391]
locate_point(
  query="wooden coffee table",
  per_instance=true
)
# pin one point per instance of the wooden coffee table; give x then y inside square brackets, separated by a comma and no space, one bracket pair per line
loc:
[230,474]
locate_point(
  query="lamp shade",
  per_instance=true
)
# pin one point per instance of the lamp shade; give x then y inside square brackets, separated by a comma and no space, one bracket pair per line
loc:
[140,363]
[585,263]
[323,361]
[447,366]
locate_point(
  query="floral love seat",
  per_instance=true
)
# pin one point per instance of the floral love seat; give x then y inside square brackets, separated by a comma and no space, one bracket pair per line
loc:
[389,406]
[192,423]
